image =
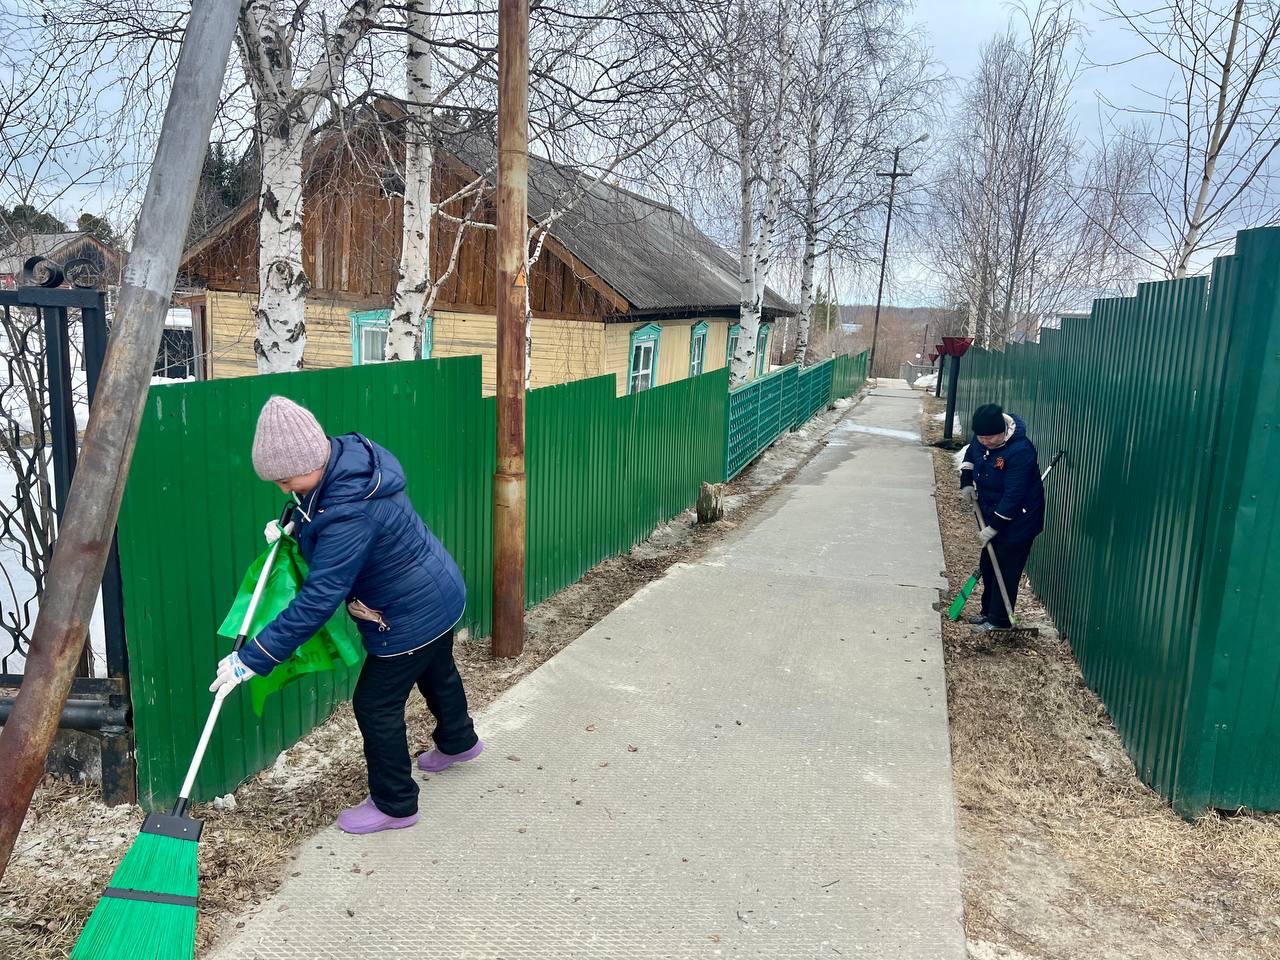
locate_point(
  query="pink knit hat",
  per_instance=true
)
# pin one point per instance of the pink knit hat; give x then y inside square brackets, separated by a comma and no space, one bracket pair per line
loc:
[289,441]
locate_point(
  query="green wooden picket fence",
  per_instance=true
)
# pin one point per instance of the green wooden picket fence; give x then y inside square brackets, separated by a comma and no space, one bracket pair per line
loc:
[1161,557]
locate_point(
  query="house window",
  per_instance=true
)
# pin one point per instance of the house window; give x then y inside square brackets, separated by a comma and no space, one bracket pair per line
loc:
[644,358]
[369,336]
[697,349]
[762,349]
[734,331]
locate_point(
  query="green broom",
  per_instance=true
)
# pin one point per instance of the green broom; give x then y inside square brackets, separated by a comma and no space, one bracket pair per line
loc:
[957,605]
[148,911]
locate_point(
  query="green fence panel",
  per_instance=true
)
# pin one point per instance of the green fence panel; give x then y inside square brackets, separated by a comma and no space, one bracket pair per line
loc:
[1161,559]
[603,472]
[759,412]
[848,375]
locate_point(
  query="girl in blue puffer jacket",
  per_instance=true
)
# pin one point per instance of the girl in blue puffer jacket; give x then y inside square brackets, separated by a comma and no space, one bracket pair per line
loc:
[366,546]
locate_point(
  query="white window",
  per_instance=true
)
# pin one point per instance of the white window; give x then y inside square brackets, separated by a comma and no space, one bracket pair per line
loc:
[644,358]
[373,344]
[697,349]
[369,336]
[641,366]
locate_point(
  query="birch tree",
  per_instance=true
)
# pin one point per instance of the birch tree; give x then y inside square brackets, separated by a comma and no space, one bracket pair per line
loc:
[286,109]
[1212,137]
[404,333]
[863,81]
[1018,207]
[758,124]
[598,104]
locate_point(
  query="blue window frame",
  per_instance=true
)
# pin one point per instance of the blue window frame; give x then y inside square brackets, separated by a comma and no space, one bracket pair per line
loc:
[734,332]
[697,349]
[369,336]
[643,369]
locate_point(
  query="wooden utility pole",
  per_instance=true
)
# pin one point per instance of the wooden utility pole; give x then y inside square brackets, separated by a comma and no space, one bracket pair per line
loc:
[509,485]
[89,521]
[893,175]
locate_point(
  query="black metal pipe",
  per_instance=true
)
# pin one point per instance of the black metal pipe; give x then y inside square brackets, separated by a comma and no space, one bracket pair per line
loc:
[952,383]
[89,715]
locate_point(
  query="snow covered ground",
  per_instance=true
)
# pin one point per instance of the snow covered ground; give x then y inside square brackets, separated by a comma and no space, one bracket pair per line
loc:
[17,586]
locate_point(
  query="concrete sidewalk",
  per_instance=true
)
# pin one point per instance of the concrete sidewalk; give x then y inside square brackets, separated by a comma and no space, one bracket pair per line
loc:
[749,758]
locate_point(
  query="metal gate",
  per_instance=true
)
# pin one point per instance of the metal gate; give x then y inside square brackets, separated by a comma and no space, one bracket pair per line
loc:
[53,340]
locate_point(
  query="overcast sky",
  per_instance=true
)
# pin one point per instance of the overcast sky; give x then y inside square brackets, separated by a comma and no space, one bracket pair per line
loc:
[956,31]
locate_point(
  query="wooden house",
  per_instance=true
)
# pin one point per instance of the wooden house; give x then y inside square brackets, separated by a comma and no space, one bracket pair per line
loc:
[624,284]
[104,263]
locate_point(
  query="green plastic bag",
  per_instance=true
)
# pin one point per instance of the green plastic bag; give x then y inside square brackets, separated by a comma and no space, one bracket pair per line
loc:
[337,642]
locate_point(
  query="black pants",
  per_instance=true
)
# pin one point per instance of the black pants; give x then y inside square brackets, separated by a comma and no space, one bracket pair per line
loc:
[379,701]
[1012,558]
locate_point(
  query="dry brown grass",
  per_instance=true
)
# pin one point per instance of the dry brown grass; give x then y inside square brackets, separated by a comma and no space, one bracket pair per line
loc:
[71,843]
[1067,855]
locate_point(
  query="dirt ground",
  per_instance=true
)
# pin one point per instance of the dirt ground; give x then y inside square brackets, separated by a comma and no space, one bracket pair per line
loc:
[71,842]
[1066,854]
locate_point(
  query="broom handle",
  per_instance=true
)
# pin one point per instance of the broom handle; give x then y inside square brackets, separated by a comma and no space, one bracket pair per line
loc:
[995,565]
[184,795]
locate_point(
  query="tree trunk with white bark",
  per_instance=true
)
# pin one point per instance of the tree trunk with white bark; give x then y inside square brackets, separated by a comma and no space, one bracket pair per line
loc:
[413,287]
[283,283]
[285,114]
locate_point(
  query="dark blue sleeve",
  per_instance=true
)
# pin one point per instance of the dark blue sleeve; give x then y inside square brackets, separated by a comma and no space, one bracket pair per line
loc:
[1020,469]
[339,555]
[966,467]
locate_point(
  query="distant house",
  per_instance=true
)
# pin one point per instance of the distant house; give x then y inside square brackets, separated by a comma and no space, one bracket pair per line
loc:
[624,285]
[61,248]
[177,355]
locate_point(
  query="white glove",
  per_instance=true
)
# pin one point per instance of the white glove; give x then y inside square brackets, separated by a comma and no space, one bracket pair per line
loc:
[231,673]
[987,534]
[271,532]
[969,493]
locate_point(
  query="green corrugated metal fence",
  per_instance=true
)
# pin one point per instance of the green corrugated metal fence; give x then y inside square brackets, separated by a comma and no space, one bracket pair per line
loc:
[1161,557]
[603,472]
[761,411]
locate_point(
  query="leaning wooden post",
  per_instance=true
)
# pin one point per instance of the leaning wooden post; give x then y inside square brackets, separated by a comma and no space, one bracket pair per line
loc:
[513,178]
[88,524]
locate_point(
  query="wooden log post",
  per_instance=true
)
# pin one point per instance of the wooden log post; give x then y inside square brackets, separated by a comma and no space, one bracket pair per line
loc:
[710,502]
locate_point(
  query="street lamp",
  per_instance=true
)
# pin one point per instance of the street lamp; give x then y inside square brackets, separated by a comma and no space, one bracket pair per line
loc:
[893,176]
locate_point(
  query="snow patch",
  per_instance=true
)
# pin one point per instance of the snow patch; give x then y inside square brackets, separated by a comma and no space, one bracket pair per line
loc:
[955,422]
[908,435]
[18,589]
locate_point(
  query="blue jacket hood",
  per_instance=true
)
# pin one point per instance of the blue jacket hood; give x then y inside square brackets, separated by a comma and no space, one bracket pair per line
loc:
[358,470]
[1019,431]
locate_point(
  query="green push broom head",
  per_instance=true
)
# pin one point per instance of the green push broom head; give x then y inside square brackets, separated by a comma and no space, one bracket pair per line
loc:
[148,911]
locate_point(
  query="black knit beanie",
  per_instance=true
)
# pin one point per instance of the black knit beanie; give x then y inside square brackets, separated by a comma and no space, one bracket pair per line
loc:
[988,420]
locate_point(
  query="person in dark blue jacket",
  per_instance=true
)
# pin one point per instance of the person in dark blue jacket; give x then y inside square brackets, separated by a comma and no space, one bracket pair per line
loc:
[1001,471]
[365,546]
